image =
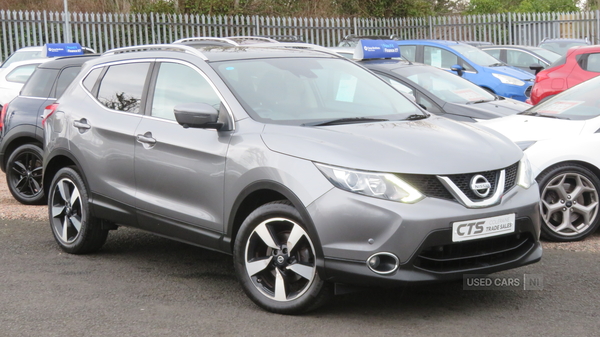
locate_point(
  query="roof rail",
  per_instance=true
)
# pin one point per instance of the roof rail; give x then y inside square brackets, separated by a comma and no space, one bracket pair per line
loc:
[240,39]
[295,45]
[202,38]
[157,47]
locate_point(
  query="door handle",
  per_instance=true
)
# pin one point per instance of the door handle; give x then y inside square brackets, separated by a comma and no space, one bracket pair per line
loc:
[82,125]
[146,139]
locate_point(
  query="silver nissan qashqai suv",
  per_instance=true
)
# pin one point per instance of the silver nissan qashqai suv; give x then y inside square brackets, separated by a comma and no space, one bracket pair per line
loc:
[313,172]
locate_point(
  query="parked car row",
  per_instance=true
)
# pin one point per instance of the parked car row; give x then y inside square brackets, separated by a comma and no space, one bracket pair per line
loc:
[316,172]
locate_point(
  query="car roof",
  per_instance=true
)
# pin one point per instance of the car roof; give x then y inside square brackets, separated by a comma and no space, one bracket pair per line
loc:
[439,42]
[61,62]
[26,62]
[250,52]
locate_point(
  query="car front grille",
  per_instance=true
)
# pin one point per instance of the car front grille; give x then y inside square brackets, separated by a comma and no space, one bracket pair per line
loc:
[430,185]
[470,255]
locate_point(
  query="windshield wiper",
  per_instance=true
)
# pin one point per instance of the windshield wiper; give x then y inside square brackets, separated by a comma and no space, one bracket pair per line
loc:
[351,120]
[537,114]
[476,102]
[415,117]
[500,64]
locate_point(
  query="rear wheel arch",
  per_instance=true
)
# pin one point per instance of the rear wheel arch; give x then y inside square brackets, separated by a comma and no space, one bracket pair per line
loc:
[57,162]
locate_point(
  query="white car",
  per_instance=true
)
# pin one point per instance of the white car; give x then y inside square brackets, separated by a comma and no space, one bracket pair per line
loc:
[561,138]
[13,77]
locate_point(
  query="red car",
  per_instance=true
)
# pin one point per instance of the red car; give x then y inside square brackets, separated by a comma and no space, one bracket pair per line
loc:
[580,64]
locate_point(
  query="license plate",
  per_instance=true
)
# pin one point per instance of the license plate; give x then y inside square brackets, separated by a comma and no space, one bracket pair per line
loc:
[483,228]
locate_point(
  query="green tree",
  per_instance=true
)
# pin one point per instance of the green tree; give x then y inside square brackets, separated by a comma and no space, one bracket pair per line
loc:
[528,6]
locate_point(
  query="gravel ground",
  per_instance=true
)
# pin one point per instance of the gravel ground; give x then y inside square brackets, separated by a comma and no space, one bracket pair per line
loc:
[11,209]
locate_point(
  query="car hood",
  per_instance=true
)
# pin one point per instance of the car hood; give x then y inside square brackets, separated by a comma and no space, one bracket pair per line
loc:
[511,71]
[433,146]
[526,128]
[487,110]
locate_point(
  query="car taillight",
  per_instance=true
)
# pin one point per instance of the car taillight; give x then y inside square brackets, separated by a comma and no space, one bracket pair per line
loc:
[2,116]
[48,111]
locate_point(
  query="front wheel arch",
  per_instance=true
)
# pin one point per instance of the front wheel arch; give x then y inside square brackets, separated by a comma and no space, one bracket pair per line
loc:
[258,194]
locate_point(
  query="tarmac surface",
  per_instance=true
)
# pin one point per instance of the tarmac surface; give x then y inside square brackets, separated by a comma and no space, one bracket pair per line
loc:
[144,285]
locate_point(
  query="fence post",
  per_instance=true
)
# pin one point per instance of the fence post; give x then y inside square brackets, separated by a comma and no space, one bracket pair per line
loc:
[509,28]
[597,26]
[430,27]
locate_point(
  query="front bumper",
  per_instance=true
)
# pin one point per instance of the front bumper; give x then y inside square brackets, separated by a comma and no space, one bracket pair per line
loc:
[521,93]
[351,228]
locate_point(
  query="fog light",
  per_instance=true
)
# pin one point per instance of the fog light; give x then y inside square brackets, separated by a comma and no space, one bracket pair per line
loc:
[383,263]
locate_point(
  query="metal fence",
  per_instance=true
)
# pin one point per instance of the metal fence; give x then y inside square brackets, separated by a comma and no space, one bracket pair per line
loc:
[103,31]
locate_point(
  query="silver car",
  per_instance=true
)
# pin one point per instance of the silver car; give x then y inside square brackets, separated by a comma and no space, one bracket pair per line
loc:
[311,171]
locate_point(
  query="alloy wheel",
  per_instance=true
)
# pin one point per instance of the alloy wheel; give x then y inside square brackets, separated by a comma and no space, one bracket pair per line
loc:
[280,259]
[66,211]
[569,204]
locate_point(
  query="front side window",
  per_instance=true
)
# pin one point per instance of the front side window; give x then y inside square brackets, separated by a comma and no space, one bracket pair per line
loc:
[439,57]
[122,86]
[301,90]
[177,84]
[520,59]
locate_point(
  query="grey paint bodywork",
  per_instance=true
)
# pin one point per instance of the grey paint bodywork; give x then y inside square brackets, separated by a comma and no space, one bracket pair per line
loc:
[189,185]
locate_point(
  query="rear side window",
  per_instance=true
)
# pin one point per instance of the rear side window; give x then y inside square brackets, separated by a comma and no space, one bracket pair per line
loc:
[91,79]
[21,74]
[65,78]
[40,83]
[494,52]
[589,62]
[438,57]
[409,52]
[122,86]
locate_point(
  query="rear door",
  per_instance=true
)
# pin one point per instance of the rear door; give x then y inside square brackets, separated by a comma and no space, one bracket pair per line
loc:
[179,171]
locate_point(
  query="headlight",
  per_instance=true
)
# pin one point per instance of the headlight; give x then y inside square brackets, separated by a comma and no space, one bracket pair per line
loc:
[373,184]
[509,80]
[525,175]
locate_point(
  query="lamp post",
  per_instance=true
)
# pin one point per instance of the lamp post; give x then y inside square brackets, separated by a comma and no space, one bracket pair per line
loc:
[67,33]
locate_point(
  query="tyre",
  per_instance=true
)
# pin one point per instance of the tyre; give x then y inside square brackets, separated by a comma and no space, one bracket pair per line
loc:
[276,263]
[74,229]
[24,175]
[568,202]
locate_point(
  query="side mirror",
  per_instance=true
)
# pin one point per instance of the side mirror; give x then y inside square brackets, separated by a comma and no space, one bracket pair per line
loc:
[459,69]
[197,115]
[536,67]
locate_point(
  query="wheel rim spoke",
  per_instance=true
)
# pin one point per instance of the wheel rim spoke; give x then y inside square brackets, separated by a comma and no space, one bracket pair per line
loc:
[255,267]
[65,227]
[19,168]
[63,189]
[306,272]
[76,222]
[265,235]
[296,234]
[57,211]
[586,212]
[280,292]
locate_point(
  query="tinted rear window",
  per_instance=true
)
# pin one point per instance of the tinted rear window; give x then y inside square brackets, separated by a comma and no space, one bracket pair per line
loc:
[40,83]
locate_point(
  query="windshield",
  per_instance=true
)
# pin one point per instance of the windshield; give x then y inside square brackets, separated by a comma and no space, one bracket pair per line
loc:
[21,56]
[580,102]
[547,54]
[475,55]
[301,91]
[446,86]
[561,47]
